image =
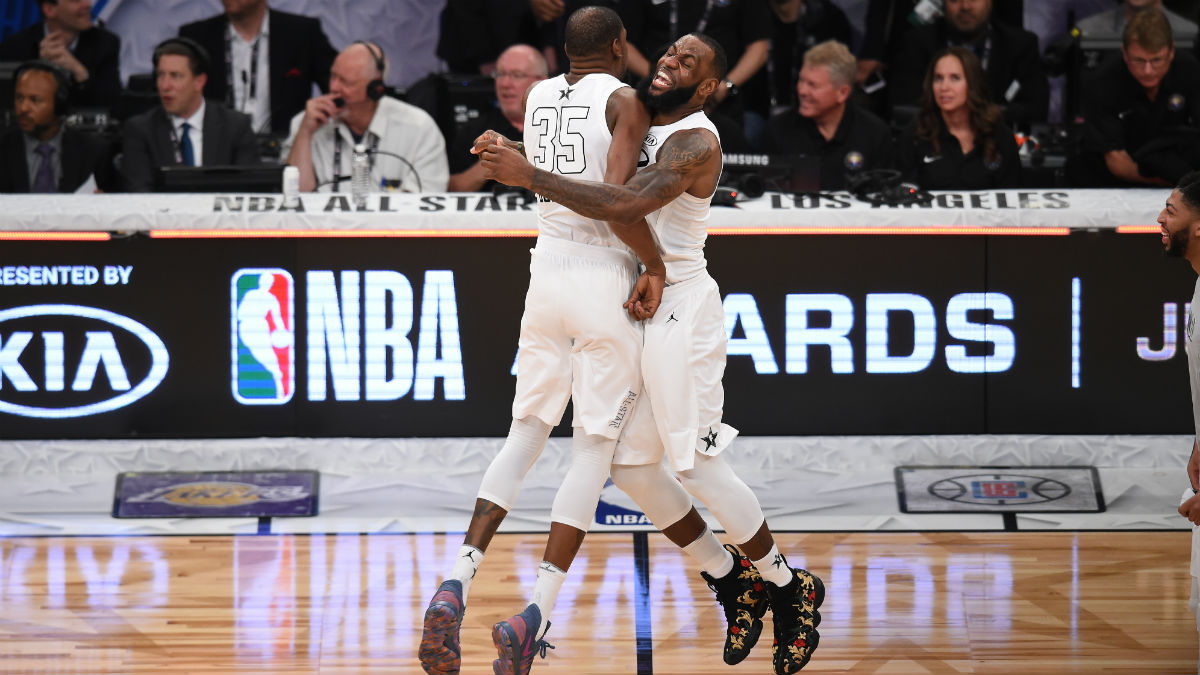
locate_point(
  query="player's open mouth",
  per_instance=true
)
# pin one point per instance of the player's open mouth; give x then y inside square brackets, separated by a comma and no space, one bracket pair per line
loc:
[662,80]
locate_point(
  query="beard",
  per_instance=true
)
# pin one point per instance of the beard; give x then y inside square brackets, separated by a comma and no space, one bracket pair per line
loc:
[1177,244]
[667,101]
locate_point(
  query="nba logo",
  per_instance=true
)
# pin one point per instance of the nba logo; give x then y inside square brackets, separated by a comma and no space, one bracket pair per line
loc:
[263,336]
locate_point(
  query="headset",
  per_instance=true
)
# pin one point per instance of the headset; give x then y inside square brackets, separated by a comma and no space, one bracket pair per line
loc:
[198,53]
[62,82]
[376,88]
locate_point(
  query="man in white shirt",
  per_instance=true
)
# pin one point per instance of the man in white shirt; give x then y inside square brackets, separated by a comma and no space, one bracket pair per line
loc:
[407,150]
[184,129]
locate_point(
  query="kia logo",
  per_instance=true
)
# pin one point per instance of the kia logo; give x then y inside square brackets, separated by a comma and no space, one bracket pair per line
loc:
[80,347]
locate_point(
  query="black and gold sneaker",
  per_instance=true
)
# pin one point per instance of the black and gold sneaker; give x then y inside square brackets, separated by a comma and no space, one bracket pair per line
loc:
[794,609]
[743,595]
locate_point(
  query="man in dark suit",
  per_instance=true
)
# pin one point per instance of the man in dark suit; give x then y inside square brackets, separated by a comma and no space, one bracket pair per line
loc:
[271,60]
[1009,55]
[41,154]
[184,129]
[67,37]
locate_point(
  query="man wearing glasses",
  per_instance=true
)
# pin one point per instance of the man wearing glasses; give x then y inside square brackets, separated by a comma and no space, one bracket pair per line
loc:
[1142,111]
[518,67]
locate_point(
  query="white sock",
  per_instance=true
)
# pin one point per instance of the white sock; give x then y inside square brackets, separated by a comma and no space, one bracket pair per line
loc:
[545,591]
[710,555]
[774,568]
[465,567]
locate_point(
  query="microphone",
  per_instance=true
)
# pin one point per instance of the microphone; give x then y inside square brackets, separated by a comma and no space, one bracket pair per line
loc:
[339,101]
[407,163]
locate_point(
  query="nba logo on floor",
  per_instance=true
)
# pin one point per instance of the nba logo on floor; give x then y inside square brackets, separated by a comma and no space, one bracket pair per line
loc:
[263,336]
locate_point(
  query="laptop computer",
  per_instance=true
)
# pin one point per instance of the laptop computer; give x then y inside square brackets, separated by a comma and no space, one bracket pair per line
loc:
[262,178]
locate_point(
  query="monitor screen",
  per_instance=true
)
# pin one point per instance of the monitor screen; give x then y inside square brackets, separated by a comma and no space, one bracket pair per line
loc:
[778,172]
[254,178]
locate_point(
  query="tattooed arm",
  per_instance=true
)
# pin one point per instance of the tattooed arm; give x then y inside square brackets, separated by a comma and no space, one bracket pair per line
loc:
[690,161]
[628,120]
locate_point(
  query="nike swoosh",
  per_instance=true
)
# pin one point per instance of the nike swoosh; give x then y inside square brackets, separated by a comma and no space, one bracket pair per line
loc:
[931,158]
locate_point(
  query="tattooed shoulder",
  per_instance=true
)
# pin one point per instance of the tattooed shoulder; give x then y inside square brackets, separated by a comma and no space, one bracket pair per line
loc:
[688,149]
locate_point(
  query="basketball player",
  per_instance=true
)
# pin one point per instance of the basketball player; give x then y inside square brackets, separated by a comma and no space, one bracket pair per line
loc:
[576,341]
[683,361]
[1180,221]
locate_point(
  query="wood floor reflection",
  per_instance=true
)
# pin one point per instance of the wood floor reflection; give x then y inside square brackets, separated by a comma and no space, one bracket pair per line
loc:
[897,603]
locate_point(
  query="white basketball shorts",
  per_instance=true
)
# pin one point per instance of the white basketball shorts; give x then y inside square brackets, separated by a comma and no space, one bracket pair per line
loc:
[683,361]
[577,341]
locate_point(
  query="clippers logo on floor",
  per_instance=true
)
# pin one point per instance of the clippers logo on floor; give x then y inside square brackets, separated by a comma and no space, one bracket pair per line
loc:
[263,336]
[1000,489]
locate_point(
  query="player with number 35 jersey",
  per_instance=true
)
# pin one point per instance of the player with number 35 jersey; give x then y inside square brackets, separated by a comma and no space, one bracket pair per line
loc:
[577,341]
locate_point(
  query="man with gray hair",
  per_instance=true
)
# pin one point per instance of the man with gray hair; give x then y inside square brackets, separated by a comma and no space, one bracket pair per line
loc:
[405,147]
[518,67]
[847,138]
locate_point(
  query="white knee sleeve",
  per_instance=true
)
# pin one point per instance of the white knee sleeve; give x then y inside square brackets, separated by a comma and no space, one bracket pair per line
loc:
[575,502]
[655,490]
[727,497]
[525,442]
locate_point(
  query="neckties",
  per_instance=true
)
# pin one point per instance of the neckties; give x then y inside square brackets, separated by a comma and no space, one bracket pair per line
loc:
[44,180]
[185,146]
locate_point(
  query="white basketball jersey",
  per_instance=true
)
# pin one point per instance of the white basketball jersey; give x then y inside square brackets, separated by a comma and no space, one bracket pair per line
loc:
[681,227]
[566,132]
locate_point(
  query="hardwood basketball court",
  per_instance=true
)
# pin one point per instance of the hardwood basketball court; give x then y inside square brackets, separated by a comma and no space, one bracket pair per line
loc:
[951,602]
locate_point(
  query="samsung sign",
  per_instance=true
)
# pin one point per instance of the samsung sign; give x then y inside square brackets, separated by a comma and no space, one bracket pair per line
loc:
[108,340]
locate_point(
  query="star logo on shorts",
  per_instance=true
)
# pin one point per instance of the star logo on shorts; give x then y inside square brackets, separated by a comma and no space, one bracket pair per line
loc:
[710,441]
[671,318]
[565,93]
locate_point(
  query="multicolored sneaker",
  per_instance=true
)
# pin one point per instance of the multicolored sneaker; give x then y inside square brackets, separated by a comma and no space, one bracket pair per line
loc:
[794,608]
[742,594]
[440,653]
[517,642]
